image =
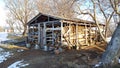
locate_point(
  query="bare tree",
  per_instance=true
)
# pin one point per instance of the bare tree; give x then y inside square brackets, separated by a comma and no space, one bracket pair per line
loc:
[1,29]
[94,9]
[21,10]
[107,15]
[15,25]
[115,5]
[62,8]
[112,53]
[10,21]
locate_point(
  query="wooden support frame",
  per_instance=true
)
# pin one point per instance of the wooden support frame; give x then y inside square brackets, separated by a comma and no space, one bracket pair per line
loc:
[53,34]
[28,30]
[44,34]
[33,32]
[73,31]
[61,33]
[76,34]
[69,32]
[90,35]
[50,21]
[86,37]
[39,33]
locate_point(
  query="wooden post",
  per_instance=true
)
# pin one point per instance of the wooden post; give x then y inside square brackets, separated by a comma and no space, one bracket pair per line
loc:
[33,28]
[39,36]
[61,33]
[90,35]
[33,34]
[69,32]
[76,34]
[53,42]
[28,38]
[96,34]
[44,34]
[86,40]
[41,33]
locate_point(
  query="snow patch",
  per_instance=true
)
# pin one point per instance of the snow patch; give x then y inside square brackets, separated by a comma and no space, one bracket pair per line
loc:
[4,56]
[108,39]
[21,50]
[18,64]
[97,65]
[1,49]
[3,36]
[118,60]
[36,47]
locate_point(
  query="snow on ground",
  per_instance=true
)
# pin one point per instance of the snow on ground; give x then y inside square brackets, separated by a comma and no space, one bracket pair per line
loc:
[97,65]
[119,60]
[1,49]
[108,39]
[3,36]
[18,64]
[4,55]
[20,50]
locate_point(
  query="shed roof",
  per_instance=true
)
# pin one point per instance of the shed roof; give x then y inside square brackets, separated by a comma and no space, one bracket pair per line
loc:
[39,15]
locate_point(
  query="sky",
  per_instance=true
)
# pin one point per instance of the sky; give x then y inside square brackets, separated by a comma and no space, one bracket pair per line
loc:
[2,13]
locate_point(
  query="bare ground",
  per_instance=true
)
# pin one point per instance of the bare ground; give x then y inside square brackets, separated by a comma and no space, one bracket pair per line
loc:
[67,59]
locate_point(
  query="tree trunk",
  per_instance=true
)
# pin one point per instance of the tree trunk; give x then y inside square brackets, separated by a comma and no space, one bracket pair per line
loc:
[25,30]
[12,29]
[112,52]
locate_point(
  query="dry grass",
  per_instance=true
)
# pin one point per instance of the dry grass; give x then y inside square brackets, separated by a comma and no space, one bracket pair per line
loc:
[12,47]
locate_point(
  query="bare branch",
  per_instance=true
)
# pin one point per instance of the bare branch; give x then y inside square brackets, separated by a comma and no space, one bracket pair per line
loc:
[21,10]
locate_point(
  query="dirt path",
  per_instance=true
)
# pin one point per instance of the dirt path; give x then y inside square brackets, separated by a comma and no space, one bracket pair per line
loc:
[41,59]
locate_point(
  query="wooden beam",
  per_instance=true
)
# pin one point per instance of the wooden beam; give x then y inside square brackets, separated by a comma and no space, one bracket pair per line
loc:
[90,35]
[76,34]
[39,31]
[44,34]
[50,21]
[61,33]
[69,32]
[80,23]
[86,40]
[53,42]
[32,33]
[96,34]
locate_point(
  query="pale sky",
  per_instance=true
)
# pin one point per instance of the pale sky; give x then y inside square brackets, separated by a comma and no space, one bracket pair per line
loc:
[2,13]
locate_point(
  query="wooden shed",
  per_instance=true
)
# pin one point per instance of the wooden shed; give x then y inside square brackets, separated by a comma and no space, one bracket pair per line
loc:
[47,30]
